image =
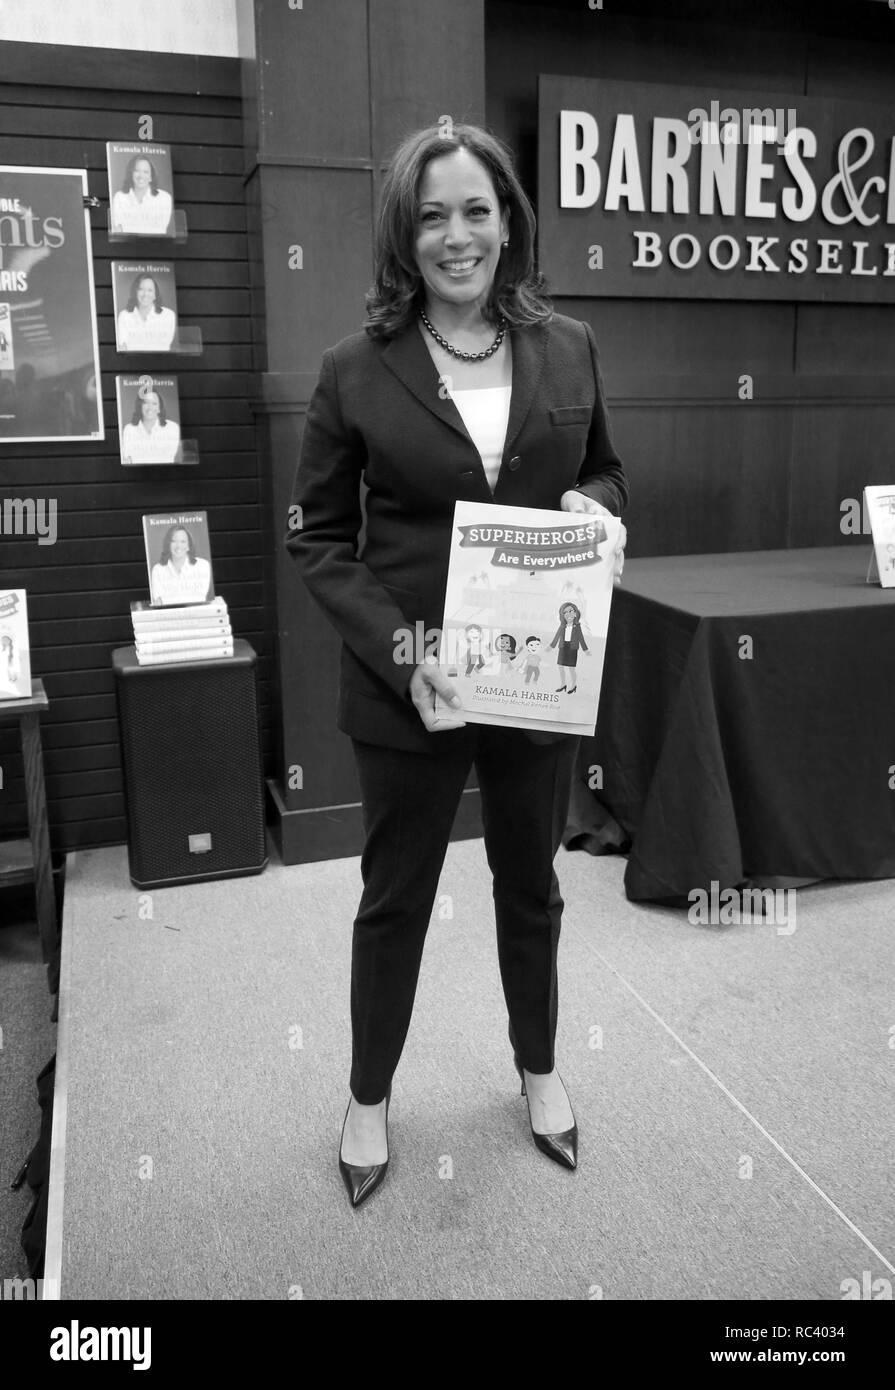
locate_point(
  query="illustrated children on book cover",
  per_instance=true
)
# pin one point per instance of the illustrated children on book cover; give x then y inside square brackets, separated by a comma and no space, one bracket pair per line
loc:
[178,557]
[15,658]
[527,614]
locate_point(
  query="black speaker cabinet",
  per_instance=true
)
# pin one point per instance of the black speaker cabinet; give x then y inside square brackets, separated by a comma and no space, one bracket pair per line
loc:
[193,774]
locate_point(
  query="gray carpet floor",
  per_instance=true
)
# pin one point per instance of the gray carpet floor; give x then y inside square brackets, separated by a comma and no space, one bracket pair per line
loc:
[732,1086]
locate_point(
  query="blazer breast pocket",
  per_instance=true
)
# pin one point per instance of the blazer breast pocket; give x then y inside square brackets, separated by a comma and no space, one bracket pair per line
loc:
[570,414]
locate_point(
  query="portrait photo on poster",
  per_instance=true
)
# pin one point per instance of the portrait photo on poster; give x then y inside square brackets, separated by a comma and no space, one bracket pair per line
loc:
[178,557]
[145,295]
[49,354]
[141,189]
[149,419]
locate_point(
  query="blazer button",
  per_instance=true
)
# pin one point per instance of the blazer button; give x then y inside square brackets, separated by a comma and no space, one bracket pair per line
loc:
[515,462]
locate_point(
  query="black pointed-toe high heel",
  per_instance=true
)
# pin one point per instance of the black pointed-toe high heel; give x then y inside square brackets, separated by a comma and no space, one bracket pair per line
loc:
[561,1147]
[362,1180]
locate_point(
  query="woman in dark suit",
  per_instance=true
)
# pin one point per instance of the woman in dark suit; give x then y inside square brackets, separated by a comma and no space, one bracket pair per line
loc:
[463,385]
[569,638]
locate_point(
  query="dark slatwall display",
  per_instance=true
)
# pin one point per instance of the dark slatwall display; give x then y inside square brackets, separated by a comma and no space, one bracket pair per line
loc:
[58,107]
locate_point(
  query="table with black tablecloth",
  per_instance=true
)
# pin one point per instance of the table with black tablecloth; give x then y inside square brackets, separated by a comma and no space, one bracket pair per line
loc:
[729,760]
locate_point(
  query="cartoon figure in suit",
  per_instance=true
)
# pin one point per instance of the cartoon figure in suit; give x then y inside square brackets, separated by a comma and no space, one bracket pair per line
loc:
[569,638]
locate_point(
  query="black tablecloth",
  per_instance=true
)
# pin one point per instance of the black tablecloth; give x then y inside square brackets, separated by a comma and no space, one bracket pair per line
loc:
[719,768]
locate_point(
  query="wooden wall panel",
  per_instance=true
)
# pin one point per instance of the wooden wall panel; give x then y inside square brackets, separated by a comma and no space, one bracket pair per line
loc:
[79,589]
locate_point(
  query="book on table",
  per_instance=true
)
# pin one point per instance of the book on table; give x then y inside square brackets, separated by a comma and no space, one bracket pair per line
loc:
[15,652]
[879,506]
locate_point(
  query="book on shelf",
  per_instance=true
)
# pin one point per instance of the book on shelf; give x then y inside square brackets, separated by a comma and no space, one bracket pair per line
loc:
[526,616]
[879,506]
[178,558]
[144,611]
[165,644]
[183,632]
[191,653]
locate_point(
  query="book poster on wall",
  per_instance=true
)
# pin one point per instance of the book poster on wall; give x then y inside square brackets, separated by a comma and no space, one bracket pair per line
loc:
[141,184]
[178,557]
[145,294]
[49,358]
[149,419]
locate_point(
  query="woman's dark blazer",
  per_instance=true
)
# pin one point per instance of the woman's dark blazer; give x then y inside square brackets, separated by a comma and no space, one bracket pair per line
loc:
[380,414]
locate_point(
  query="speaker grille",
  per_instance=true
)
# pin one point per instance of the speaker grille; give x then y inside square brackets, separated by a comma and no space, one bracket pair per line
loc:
[192,765]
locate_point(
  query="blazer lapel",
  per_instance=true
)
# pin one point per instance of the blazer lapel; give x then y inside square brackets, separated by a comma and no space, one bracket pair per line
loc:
[529,346]
[409,359]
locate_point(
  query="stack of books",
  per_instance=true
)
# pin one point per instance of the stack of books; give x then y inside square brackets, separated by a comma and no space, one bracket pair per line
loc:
[187,632]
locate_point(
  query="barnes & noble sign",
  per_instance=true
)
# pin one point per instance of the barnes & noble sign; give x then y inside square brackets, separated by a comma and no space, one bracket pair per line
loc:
[667,191]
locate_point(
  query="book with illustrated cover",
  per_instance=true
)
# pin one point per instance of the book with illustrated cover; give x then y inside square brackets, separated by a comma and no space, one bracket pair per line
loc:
[15,654]
[879,506]
[527,614]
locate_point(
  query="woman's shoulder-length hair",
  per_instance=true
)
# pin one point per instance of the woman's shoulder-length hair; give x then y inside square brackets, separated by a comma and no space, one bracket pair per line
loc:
[396,294]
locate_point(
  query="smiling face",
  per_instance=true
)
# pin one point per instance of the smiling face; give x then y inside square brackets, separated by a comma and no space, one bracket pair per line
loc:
[150,407]
[568,613]
[459,230]
[533,644]
[180,545]
[141,175]
[146,293]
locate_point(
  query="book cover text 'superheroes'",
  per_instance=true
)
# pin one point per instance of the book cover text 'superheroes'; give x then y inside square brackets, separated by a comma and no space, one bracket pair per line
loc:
[527,614]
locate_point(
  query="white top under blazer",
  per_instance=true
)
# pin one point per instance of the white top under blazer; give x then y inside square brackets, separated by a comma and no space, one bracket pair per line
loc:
[485,412]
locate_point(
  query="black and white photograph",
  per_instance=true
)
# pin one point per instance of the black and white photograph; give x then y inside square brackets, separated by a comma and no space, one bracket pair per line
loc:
[148,419]
[141,183]
[145,298]
[474,882]
[178,558]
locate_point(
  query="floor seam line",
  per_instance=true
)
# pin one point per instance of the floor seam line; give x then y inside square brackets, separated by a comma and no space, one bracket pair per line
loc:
[742,1108]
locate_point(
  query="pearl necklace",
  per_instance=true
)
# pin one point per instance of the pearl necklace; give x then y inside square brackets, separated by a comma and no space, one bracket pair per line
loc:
[467,356]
